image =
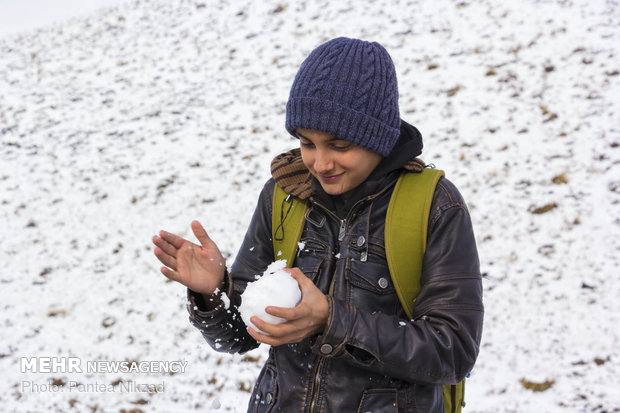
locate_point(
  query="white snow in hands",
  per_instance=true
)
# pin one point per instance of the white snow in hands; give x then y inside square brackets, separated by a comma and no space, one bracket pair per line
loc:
[274,288]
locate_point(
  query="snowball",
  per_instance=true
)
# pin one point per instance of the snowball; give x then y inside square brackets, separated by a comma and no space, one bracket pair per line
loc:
[274,288]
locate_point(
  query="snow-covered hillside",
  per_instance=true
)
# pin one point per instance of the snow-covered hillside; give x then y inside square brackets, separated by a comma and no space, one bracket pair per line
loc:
[149,115]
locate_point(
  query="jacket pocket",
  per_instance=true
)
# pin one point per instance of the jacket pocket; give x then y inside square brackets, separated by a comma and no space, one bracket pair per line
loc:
[312,246]
[369,286]
[265,391]
[372,275]
[379,401]
[311,256]
[371,278]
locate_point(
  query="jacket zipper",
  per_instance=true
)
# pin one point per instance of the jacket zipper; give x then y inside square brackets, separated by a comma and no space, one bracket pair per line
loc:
[316,384]
[342,230]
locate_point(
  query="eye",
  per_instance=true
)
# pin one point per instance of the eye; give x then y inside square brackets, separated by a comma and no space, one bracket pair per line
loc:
[306,143]
[341,145]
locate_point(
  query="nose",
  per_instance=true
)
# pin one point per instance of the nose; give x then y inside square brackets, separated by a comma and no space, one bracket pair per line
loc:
[323,161]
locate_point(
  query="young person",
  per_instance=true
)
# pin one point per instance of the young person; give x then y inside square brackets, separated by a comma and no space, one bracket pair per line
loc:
[348,345]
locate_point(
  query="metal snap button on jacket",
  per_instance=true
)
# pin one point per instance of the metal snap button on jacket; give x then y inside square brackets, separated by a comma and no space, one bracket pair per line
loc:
[326,348]
[383,283]
[360,240]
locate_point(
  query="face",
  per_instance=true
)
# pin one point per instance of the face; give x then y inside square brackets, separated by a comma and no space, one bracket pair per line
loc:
[338,165]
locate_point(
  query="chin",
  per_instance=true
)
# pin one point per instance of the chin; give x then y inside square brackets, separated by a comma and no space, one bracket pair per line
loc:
[330,190]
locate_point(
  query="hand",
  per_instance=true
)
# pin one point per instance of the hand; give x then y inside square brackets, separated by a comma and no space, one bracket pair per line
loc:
[307,318]
[201,268]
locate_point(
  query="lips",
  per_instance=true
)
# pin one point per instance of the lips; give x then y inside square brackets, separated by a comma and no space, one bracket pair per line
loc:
[330,178]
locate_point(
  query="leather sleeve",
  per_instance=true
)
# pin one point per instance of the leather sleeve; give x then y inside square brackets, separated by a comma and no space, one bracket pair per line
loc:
[441,343]
[223,327]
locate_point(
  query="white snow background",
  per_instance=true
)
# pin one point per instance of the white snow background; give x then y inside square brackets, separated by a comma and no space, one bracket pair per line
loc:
[147,115]
[25,15]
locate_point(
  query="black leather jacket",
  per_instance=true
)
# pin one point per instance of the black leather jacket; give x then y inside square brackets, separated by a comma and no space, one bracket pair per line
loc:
[370,357]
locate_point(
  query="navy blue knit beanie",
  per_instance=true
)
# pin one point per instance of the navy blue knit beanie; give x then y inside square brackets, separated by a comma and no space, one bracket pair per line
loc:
[347,88]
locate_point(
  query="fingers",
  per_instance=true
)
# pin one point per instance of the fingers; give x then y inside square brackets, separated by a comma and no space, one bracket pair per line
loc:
[173,275]
[277,334]
[299,276]
[282,312]
[173,239]
[171,242]
[306,286]
[262,338]
[274,334]
[201,234]
[165,246]
[166,259]
[295,272]
[165,252]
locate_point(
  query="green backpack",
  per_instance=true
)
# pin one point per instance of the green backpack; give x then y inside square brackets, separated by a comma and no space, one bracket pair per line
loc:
[406,225]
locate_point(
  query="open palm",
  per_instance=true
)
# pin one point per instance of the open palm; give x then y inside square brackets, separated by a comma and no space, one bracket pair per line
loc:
[201,268]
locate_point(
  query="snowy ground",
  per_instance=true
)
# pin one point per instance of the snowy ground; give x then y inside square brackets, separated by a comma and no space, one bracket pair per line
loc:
[26,15]
[154,113]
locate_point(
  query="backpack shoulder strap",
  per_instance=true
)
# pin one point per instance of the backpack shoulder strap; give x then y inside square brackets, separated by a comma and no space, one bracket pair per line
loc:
[406,225]
[287,223]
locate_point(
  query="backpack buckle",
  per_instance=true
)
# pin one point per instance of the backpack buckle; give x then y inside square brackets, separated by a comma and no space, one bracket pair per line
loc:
[317,223]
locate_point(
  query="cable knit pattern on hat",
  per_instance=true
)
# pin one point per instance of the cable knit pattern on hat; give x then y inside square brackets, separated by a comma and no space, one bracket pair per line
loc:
[365,80]
[319,84]
[347,88]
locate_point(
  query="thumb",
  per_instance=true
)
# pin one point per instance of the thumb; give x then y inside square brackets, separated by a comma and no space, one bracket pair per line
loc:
[201,234]
[298,275]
